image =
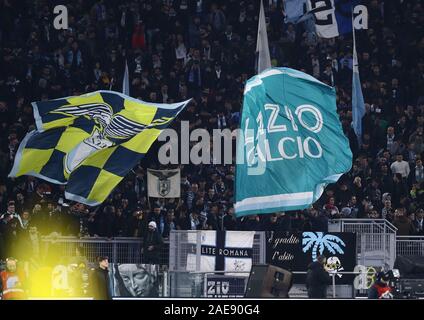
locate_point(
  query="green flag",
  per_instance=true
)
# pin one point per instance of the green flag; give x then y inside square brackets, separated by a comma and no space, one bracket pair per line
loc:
[291,143]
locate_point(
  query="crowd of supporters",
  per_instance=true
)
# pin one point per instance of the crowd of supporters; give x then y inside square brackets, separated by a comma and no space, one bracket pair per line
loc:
[205,50]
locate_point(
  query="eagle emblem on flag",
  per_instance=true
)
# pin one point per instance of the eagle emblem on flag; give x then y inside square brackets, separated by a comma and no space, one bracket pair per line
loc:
[90,142]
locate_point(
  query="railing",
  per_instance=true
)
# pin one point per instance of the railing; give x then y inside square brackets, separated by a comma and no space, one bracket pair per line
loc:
[367,225]
[376,239]
[119,250]
[182,282]
[410,246]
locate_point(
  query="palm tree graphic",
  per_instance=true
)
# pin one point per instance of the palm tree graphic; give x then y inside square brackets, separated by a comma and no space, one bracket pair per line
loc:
[318,242]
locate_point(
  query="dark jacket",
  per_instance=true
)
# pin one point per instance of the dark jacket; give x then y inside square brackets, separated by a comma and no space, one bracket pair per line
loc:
[152,238]
[405,226]
[419,230]
[317,280]
[100,284]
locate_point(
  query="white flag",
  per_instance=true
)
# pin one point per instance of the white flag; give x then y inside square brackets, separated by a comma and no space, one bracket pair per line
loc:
[222,251]
[126,81]
[164,183]
[262,48]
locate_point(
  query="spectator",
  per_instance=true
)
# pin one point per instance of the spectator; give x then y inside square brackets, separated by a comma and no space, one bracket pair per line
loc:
[139,226]
[230,222]
[213,221]
[319,220]
[331,210]
[158,217]
[271,223]
[13,282]
[418,222]
[400,166]
[381,288]
[99,280]
[399,189]
[152,243]
[353,207]
[418,172]
[387,211]
[11,212]
[24,220]
[403,223]
[182,220]
[285,222]
[169,223]
[194,221]
[250,223]
[317,279]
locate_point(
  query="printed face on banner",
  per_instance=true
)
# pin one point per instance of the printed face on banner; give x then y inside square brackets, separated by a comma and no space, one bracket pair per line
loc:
[135,280]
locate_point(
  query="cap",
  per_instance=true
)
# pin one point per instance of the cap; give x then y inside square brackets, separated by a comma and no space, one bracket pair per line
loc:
[383,276]
[152,224]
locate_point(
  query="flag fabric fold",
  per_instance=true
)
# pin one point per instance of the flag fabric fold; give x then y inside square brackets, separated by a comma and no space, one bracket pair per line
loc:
[294,10]
[291,144]
[90,142]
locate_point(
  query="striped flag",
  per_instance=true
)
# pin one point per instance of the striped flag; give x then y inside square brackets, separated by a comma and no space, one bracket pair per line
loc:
[90,142]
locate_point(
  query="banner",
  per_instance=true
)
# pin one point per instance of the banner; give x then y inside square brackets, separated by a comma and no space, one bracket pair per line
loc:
[225,287]
[72,280]
[135,280]
[334,17]
[221,251]
[164,183]
[291,144]
[90,142]
[295,251]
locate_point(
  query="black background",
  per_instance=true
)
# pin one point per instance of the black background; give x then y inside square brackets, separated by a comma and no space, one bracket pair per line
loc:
[302,260]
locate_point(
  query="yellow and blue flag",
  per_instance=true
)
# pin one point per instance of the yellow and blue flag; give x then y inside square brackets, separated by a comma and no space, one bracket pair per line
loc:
[90,142]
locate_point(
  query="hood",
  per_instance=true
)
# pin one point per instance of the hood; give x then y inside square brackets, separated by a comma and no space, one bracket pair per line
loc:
[315,265]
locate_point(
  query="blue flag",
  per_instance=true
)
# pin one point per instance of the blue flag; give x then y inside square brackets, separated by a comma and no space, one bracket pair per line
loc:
[294,10]
[358,105]
[291,143]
